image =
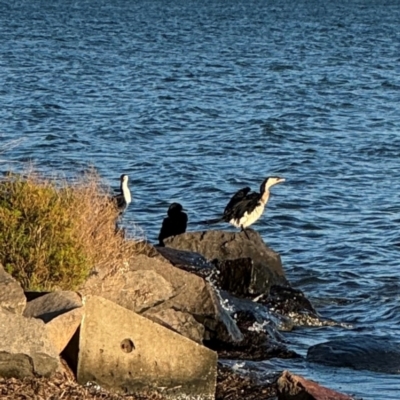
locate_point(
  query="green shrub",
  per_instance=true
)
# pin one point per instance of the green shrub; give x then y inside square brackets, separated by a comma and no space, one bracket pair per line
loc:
[52,235]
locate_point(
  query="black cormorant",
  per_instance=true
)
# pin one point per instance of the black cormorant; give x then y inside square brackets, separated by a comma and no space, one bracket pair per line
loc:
[174,224]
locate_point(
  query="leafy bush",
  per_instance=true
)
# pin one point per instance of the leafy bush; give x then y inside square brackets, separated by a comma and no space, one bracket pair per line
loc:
[52,235]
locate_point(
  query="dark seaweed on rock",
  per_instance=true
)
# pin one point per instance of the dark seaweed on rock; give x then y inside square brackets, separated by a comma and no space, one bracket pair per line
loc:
[232,386]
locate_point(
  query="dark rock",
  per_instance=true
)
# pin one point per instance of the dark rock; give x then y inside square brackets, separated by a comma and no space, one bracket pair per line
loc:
[222,327]
[294,387]
[293,304]
[260,337]
[12,297]
[363,352]
[256,345]
[266,268]
[235,276]
[259,320]
[259,315]
[234,386]
[188,261]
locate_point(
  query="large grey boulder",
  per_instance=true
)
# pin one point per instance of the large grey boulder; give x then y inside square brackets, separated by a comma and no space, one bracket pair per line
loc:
[62,312]
[135,289]
[190,292]
[25,349]
[12,297]
[249,260]
[153,286]
[125,352]
[52,305]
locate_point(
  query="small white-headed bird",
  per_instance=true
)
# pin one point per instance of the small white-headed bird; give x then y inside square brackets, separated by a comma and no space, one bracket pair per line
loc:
[124,198]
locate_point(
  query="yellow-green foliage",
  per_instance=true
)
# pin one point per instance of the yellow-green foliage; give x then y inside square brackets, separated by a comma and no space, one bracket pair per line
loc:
[51,236]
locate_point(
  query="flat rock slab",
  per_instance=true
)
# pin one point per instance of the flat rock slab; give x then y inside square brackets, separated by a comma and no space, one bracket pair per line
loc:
[52,305]
[152,284]
[295,387]
[25,349]
[12,297]
[125,352]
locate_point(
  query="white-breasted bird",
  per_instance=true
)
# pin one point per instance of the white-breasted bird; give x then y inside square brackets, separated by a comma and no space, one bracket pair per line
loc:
[124,198]
[245,208]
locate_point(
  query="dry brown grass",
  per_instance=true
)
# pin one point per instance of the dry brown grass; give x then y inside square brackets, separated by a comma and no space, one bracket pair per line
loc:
[53,234]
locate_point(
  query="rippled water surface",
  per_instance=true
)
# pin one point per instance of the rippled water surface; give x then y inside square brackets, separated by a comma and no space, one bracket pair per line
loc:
[196,99]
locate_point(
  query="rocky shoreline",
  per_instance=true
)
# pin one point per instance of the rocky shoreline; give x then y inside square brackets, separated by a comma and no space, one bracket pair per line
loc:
[204,296]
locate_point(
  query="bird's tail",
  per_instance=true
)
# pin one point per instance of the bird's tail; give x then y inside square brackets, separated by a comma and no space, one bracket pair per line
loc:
[211,221]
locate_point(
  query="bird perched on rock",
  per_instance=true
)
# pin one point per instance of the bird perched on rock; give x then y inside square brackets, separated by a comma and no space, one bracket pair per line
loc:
[123,198]
[245,208]
[174,224]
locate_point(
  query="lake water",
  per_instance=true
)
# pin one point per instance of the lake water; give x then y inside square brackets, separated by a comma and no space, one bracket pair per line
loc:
[195,100]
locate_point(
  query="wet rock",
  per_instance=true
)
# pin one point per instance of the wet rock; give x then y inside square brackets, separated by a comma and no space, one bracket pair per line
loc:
[127,353]
[235,276]
[61,329]
[259,315]
[293,305]
[12,297]
[266,267]
[25,349]
[234,386]
[361,352]
[259,337]
[256,345]
[52,305]
[180,322]
[294,387]
[192,294]
[188,261]
[221,327]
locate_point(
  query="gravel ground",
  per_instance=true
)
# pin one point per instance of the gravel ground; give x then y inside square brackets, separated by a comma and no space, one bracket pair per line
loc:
[62,386]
